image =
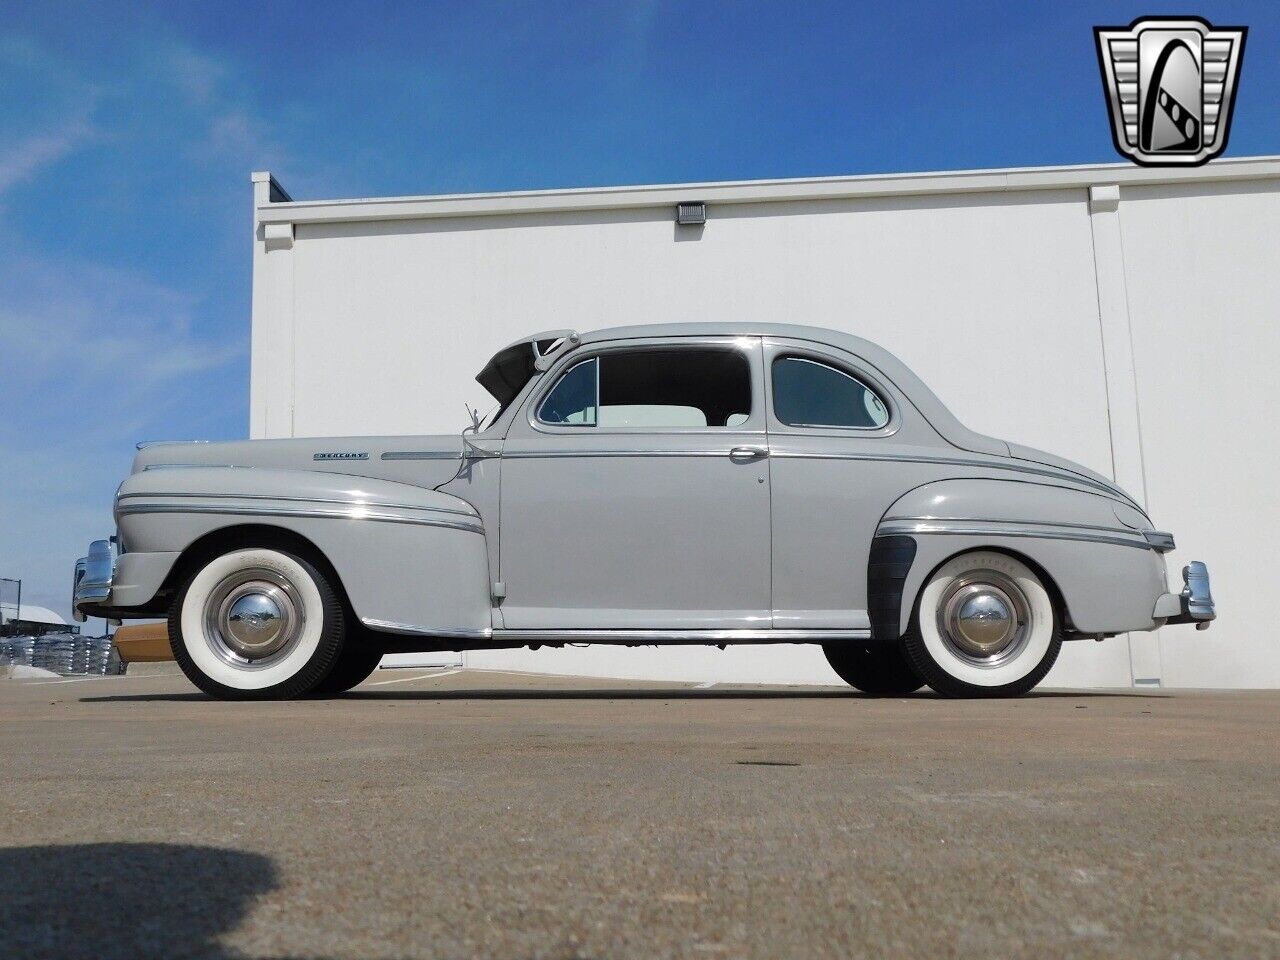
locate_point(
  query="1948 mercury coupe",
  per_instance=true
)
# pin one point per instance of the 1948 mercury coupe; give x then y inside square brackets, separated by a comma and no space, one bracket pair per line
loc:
[694,483]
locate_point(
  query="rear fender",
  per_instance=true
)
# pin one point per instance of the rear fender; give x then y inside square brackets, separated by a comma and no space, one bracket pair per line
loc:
[1093,549]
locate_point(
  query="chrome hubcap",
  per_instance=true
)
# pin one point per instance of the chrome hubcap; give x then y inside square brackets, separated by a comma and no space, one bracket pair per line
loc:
[253,618]
[254,624]
[984,617]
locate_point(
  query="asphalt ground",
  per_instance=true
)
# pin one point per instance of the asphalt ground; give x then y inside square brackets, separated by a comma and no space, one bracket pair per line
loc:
[495,815]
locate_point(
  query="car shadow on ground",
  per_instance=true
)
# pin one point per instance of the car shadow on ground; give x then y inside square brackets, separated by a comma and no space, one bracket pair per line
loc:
[126,900]
[607,693]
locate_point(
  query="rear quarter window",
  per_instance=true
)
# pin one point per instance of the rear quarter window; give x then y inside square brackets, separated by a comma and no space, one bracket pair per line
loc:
[809,393]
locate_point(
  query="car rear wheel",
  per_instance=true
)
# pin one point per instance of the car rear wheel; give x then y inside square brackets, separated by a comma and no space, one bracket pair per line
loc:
[984,626]
[876,668]
[257,624]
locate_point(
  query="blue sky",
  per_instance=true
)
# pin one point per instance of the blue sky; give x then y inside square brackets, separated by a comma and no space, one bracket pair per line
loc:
[127,134]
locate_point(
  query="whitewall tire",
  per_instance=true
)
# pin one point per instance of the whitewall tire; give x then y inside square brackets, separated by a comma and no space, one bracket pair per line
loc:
[257,624]
[984,626]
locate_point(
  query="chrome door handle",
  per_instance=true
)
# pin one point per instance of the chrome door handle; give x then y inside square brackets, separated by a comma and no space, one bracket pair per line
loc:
[747,454]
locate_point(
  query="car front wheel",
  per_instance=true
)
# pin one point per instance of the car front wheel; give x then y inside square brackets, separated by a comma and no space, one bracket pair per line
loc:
[984,626]
[257,624]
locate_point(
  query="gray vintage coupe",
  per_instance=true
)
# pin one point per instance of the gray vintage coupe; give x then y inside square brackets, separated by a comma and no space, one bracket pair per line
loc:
[696,483]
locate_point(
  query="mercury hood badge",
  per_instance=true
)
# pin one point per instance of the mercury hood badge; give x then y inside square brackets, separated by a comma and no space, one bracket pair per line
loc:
[1171,86]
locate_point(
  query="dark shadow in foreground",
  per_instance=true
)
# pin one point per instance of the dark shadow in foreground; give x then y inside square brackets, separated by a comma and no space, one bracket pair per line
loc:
[126,900]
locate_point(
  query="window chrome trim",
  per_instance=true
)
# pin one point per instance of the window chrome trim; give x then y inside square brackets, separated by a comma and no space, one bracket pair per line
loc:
[353,512]
[559,379]
[889,408]
[743,345]
[841,361]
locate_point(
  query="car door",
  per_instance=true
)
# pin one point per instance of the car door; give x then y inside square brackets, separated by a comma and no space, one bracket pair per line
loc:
[834,426]
[635,491]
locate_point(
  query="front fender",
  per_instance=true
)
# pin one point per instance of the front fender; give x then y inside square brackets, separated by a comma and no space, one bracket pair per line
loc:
[1107,572]
[407,556]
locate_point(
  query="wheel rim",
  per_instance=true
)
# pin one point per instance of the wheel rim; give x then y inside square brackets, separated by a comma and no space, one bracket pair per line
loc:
[253,618]
[984,618]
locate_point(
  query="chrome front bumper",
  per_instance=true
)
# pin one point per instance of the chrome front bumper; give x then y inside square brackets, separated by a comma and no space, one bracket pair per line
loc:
[94,574]
[1194,604]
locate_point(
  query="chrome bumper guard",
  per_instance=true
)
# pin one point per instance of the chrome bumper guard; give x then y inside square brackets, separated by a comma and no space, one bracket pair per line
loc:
[1194,604]
[93,577]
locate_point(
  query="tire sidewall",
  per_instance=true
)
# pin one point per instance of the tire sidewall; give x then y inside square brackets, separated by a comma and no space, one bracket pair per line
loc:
[302,660]
[1022,670]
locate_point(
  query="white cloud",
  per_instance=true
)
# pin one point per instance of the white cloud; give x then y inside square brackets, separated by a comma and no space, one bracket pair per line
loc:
[200,78]
[29,157]
[70,324]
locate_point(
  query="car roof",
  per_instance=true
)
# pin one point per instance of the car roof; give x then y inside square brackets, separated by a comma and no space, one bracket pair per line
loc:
[915,389]
[726,329]
[867,350]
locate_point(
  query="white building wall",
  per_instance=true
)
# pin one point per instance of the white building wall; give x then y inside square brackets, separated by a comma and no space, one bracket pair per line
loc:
[1204,294]
[1039,315]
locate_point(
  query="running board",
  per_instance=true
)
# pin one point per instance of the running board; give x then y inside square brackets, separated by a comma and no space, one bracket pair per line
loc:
[479,637]
[681,636]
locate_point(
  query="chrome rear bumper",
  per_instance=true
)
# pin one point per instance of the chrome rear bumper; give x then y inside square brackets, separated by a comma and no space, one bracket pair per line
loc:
[1194,604]
[94,574]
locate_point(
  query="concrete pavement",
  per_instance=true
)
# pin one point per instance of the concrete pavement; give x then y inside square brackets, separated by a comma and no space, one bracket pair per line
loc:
[496,815]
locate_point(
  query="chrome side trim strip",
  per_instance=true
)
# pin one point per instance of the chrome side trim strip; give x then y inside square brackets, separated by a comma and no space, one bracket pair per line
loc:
[685,636]
[193,466]
[999,463]
[283,499]
[549,454]
[390,626]
[991,530]
[1026,523]
[355,513]
[161,443]
[420,455]
[625,636]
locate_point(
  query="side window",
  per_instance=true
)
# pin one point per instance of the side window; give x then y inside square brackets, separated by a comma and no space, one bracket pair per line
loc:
[573,401]
[807,393]
[654,389]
